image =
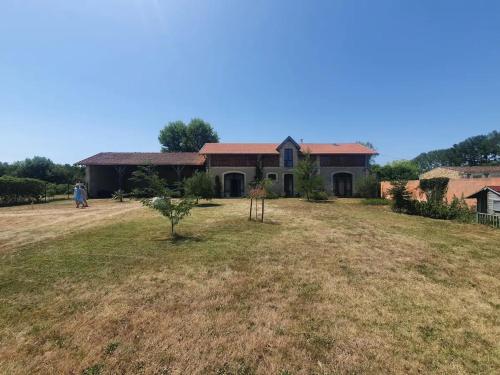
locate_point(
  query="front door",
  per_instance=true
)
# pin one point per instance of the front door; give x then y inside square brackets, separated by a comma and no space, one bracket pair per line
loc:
[342,184]
[234,184]
[288,182]
[235,188]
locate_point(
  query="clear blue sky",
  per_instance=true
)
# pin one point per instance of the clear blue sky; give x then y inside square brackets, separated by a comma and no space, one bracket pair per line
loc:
[80,77]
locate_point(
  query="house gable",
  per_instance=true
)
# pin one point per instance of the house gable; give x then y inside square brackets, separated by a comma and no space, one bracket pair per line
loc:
[288,142]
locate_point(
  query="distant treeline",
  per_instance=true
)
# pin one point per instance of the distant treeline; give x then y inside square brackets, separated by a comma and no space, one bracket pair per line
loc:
[478,150]
[44,169]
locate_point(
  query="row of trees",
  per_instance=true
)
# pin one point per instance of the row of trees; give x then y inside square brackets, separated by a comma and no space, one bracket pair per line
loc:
[477,150]
[43,169]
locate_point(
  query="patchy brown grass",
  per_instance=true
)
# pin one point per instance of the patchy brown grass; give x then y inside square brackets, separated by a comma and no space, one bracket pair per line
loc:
[336,287]
[23,225]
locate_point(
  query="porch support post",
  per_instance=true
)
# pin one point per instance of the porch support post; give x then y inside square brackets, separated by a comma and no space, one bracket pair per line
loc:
[120,170]
[178,171]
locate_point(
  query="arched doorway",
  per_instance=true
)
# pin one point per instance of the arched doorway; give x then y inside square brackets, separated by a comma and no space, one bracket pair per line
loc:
[234,184]
[342,184]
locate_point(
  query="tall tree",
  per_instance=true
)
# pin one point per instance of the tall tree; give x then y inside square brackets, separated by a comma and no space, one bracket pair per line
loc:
[198,133]
[173,137]
[308,179]
[179,137]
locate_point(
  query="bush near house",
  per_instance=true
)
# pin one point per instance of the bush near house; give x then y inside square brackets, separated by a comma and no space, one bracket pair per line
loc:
[199,185]
[147,183]
[15,190]
[319,195]
[435,207]
[308,179]
[367,186]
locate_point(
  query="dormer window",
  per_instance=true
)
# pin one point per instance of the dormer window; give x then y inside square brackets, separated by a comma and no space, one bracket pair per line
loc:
[288,158]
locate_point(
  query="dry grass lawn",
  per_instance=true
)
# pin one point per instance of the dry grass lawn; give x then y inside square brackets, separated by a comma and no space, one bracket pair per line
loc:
[326,288]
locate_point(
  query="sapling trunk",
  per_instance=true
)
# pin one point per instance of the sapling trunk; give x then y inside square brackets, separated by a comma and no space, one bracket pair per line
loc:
[251,201]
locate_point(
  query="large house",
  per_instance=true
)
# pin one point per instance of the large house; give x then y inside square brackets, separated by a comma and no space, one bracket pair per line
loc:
[236,164]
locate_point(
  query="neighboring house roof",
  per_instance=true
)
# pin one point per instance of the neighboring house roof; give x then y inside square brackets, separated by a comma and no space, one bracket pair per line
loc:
[272,148]
[493,189]
[457,172]
[143,158]
[476,169]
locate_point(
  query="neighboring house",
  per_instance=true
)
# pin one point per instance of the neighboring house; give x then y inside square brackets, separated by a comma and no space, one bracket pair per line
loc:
[488,200]
[460,188]
[235,164]
[340,165]
[463,172]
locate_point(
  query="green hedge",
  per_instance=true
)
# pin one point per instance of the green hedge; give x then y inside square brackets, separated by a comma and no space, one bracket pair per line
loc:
[434,208]
[17,190]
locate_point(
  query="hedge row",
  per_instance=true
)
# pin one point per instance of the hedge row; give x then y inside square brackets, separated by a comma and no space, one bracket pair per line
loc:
[16,190]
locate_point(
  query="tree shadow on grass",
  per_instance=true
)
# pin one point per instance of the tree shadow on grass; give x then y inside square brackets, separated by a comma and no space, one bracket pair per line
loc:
[179,238]
[266,221]
[330,201]
[208,204]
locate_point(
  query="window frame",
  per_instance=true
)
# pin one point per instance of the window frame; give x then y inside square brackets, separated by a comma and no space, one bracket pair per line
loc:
[288,162]
[275,176]
[496,202]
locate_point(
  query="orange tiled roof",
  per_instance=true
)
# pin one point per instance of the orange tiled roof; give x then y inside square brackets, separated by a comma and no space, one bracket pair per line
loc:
[143,158]
[271,148]
[239,148]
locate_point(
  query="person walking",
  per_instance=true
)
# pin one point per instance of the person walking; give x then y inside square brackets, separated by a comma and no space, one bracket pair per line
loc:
[77,195]
[84,195]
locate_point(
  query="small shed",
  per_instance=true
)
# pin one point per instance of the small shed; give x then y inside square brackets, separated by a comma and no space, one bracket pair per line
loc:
[488,200]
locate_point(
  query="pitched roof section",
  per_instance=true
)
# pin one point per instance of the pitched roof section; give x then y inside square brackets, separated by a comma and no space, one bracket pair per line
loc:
[288,140]
[271,148]
[476,169]
[493,189]
[239,148]
[334,148]
[143,158]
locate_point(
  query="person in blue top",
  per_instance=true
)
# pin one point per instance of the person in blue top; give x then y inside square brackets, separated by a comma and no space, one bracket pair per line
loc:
[78,196]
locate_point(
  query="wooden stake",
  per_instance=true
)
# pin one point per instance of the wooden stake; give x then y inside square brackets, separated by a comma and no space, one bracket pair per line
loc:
[262,210]
[251,201]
